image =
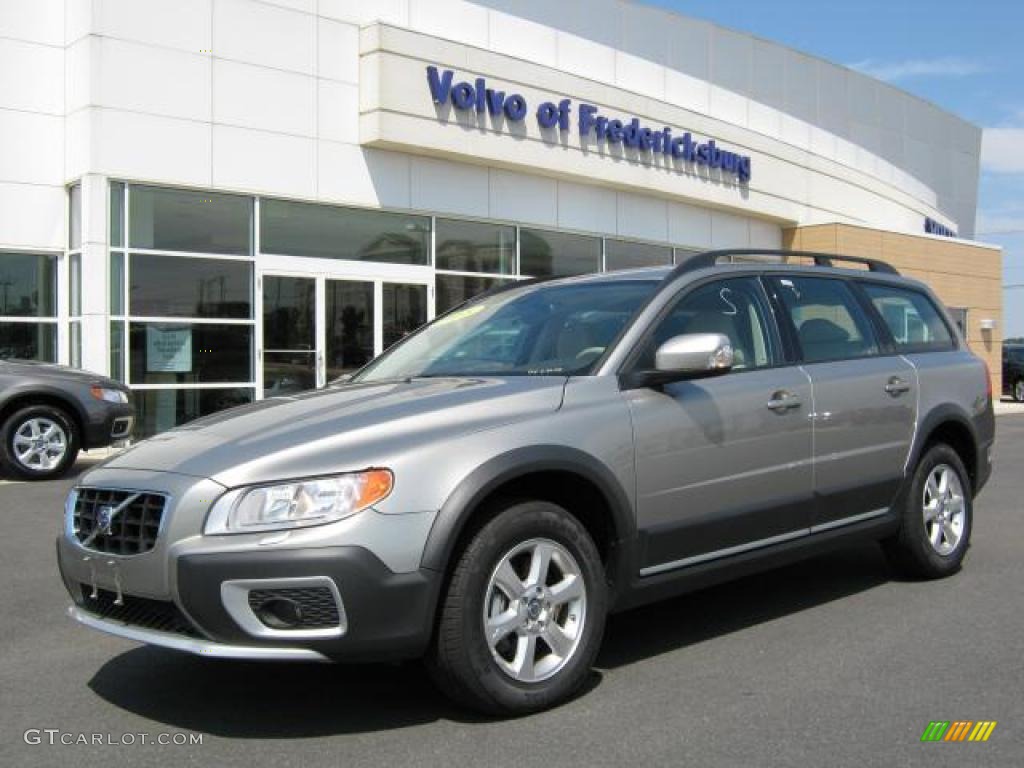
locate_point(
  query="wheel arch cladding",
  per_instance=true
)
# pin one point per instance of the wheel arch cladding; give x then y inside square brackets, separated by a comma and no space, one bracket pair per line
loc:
[565,476]
[950,425]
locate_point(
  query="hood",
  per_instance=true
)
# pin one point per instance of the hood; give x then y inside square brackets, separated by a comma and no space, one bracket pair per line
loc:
[342,428]
[38,369]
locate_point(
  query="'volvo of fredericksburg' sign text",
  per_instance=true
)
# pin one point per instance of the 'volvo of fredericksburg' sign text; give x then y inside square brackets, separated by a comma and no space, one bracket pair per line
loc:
[589,122]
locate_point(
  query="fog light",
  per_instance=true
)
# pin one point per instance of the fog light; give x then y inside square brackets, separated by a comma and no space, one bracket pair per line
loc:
[279,613]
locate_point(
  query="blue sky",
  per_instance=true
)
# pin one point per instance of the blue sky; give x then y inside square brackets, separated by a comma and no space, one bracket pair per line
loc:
[967,58]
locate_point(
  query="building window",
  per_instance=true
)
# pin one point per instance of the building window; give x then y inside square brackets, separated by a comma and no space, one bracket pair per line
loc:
[28,306]
[474,246]
[623,254]
[182,328]
[157,410]
[185,286]
[116,285]
[452,290]
[545,254]
[330,232]
[186,220]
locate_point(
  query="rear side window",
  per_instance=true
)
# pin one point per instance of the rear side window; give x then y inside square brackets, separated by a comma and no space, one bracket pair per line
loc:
[912,319]
[829,323]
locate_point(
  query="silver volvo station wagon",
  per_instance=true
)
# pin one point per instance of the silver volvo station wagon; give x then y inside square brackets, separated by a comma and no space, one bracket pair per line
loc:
[484,493]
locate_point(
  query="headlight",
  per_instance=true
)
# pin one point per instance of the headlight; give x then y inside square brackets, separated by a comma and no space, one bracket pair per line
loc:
[108,394]
[298,504]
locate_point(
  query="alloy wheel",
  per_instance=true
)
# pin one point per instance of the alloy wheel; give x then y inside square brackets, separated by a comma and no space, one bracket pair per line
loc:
[40,444]
[534,610]
[945,509]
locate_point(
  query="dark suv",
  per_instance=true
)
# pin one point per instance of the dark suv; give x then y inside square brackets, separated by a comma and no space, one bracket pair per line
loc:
[1013,371]
[49,412]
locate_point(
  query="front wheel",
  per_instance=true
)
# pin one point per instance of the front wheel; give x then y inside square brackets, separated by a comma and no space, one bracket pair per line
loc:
[40,442]
[524,613]
[937,515]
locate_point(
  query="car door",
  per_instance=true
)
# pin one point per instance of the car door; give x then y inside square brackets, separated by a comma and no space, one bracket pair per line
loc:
[865,398]
[723,464]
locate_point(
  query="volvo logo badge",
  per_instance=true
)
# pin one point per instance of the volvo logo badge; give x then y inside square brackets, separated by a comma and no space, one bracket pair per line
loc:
[104,518]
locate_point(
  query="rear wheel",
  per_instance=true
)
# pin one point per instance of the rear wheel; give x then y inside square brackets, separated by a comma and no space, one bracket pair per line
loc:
[524,613]
[40,442]
[937,516]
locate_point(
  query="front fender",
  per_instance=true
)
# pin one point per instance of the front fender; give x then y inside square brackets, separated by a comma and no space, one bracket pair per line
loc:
[464,501]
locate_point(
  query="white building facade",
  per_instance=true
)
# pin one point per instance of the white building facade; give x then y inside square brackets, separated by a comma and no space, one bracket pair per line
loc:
[220,200]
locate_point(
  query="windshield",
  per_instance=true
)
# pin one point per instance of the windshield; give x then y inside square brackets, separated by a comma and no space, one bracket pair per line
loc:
[551,330]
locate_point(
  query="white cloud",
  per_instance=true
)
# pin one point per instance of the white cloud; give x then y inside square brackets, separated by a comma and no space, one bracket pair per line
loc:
[944,66]
[1002,150]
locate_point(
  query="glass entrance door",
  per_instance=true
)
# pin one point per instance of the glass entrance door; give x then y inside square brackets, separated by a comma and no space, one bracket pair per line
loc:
[289,335]
[318,327]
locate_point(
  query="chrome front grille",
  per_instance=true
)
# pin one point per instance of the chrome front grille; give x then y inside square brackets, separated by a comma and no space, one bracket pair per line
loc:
[117,522]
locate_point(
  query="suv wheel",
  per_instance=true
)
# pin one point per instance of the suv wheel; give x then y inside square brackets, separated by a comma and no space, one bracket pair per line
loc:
[40,442]
[524,613]
[937,516]
[1018,390]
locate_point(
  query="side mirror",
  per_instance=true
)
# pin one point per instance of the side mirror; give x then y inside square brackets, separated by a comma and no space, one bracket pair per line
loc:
[690,356]
[695,354]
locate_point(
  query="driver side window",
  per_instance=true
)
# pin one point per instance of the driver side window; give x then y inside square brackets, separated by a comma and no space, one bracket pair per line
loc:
[734,307]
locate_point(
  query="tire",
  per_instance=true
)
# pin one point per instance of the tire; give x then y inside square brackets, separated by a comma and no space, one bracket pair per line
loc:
[521,536]
[941,492]
[1018,390]
[40,442]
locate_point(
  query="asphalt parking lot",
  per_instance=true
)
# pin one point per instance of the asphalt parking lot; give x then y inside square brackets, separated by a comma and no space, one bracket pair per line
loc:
[828,662]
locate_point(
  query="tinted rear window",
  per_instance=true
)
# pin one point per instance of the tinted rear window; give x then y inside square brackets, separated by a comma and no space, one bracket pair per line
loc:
[913,320]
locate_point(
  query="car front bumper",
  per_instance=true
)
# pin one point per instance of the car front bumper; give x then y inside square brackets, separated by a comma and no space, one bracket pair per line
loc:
[382,615]
[107,423]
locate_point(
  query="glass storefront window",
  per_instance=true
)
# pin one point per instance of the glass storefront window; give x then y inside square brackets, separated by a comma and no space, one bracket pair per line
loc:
[117,350]
[28,285]
[183,286]
[349,326]
[75,287]
[157,410]
[452,290]
[75,332]
[473,246]
[116,214]
[28,341]
[405,310]
[623,254]
[190,353]
[186,220]
[117,283]
[546,254]
[329,232]
[75,217]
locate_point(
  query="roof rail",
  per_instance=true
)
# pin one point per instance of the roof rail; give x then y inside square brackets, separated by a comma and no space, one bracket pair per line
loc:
[710,258]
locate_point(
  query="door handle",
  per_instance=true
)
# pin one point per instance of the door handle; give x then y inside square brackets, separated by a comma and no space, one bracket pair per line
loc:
[784,401]
[897,386]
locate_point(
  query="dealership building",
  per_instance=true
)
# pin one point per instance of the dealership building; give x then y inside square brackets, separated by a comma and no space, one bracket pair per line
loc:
[216,201]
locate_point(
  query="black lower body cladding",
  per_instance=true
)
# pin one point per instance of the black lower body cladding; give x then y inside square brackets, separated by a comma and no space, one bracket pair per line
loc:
[390,615]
